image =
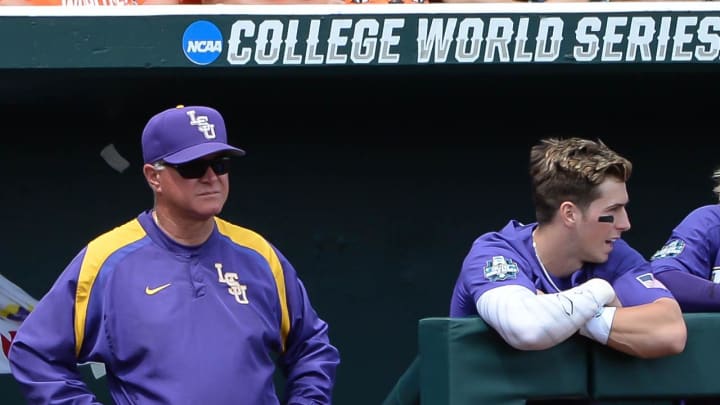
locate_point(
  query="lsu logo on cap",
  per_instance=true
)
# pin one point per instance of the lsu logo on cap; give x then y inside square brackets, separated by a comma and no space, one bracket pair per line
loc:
[202,42]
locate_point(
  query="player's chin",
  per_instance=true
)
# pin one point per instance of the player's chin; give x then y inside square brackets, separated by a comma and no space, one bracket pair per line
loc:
[599,256]
[209,209]
[210,201]
[602,257]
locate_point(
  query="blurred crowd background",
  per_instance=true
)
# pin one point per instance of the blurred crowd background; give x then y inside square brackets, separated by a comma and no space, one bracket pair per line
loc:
[151,2]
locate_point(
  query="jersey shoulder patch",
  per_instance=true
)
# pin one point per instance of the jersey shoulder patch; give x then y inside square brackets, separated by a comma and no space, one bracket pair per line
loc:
[500,268]
[649,281]
[671,249]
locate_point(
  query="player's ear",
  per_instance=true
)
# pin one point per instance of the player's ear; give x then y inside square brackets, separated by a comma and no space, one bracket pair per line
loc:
[568,213]
[152,176]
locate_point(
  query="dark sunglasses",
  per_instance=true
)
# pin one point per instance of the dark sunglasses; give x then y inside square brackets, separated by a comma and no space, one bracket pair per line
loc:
[197,168]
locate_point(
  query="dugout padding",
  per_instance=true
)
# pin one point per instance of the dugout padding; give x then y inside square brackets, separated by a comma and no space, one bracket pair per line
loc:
[462,361]
[693,373]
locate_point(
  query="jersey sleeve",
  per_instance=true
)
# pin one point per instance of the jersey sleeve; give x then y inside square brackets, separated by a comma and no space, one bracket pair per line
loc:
[693,245]
[486,267]
[43,354]
[310,361]
[633,278]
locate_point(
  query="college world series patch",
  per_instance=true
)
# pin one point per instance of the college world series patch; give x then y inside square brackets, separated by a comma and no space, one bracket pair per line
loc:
[671,249]
[500,268]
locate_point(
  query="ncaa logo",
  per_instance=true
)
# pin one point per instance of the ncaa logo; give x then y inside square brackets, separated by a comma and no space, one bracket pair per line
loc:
[202,42]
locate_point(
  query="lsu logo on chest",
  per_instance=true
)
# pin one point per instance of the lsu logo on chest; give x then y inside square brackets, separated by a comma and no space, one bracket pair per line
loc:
[237,290]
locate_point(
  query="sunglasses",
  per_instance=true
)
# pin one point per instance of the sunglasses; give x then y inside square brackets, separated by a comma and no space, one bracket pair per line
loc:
[197,168]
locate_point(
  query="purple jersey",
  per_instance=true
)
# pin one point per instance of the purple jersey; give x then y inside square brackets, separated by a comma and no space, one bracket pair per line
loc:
[176,324]
[693,246]
[508,257]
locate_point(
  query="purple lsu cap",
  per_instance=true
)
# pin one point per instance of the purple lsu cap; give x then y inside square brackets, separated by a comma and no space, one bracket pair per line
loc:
[181,134]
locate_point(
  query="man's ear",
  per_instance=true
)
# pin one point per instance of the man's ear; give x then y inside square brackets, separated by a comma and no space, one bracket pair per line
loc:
[152,176]
[569,213]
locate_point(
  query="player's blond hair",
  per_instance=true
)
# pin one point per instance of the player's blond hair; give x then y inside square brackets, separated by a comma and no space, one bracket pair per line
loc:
[570,170]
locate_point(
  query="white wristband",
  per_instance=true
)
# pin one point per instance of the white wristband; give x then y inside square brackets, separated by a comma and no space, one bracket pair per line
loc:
[598,327]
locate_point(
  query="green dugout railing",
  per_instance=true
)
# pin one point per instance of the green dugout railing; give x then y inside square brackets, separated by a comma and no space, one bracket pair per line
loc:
[462,361]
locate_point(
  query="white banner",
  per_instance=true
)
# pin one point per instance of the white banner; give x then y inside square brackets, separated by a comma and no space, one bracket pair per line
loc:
[15,305]
[7,333]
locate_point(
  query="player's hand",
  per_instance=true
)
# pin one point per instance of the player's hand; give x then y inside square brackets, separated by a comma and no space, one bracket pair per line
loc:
[601,290]
[614,303]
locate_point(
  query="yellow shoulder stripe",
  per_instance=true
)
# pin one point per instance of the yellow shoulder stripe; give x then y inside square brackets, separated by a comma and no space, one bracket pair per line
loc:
[252,240]
[96,254]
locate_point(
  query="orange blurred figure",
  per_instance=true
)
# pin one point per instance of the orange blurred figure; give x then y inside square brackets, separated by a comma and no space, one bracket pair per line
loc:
[387,1]
[92,3]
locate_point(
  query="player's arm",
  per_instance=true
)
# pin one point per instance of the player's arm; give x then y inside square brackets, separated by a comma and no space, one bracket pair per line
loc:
[310,361]
[684,263]
[650,323]
[42,355]
[695,294]
[650,330]
[528,321]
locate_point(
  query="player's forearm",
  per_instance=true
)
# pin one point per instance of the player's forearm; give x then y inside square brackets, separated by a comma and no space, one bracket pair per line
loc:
[535,322]
[650,330]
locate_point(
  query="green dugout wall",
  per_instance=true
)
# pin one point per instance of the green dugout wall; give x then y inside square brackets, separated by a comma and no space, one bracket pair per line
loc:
[373,172]
[463,361]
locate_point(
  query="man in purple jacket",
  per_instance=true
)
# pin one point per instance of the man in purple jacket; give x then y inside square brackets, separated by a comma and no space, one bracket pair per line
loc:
[540,283]
[181,306]
[689,262]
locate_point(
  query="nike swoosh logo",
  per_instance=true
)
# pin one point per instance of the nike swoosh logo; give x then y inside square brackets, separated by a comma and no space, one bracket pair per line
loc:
[153,291]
